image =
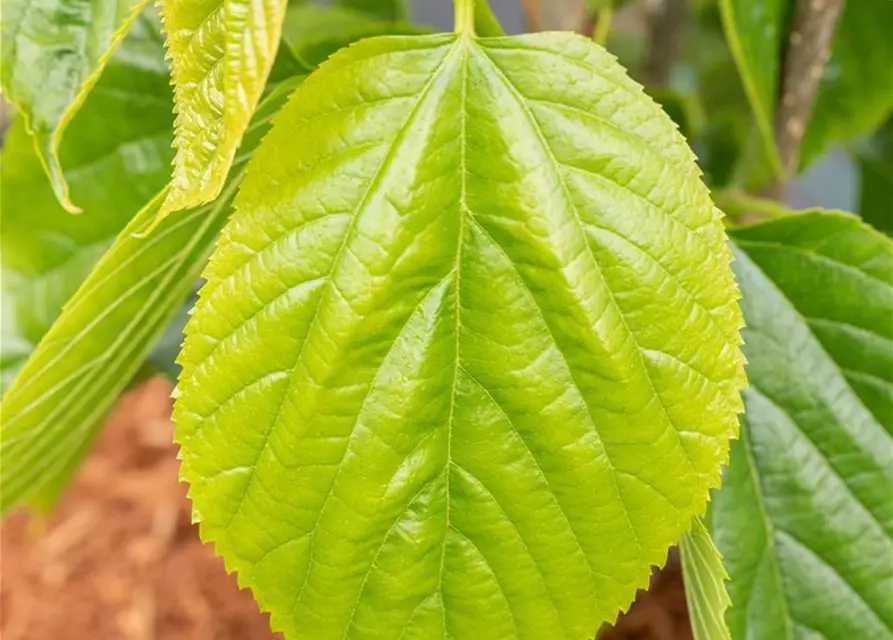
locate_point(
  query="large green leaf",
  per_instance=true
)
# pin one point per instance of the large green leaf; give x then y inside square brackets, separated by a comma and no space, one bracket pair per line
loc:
[52,52]
[56,404]
[804,518]
[756,32]
[705,589]
[221,53]
[116,156]
[466,361]
[856,93]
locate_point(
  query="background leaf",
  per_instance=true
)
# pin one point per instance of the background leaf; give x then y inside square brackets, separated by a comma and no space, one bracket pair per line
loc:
[856,93]
[876,179]
[705,590]
[116,156]
[382,9]
[313,33]
[756,33]
[57,403]
[221,53]
[51,54]
[804,517]
[475,336]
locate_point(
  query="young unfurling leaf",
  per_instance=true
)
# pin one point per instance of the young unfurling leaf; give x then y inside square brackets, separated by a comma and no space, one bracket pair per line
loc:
[221,53]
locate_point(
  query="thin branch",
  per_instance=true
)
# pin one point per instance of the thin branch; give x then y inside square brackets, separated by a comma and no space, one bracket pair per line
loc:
[668,22]
[808,49]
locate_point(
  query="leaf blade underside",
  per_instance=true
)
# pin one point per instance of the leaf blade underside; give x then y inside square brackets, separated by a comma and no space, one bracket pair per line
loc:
[704,578]
[396,311]
[803,519]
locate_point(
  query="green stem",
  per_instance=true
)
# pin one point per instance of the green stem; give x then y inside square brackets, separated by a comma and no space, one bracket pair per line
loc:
[743,208]
[464,16]
[603,23]
[476,16]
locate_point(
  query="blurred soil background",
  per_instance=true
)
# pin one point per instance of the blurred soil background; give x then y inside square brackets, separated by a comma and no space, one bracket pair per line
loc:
[119,560]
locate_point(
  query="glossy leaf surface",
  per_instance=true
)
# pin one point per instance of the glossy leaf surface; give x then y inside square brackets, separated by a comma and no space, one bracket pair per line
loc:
[705,590]
[116,156]
[221,53]
[467,361]
[804,517]
[52,52]
[56,404]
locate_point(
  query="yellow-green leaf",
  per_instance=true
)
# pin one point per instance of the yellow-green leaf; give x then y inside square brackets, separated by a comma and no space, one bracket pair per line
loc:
[705,588]
[221,52]
[467,360]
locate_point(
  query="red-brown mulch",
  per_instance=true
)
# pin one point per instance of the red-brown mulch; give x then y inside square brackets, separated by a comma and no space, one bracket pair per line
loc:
[119,560]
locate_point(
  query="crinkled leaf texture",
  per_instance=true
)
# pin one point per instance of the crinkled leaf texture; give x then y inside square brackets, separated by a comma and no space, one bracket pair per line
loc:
[804,517]
[221,53]
[705,590]
[56,404]
[52,52]
[467,359]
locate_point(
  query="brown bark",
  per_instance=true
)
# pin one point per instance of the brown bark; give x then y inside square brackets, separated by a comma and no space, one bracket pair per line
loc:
[806,54]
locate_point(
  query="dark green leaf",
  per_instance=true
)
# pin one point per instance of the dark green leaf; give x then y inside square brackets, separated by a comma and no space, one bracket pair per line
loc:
[756,33]
[876,178]
[804,518]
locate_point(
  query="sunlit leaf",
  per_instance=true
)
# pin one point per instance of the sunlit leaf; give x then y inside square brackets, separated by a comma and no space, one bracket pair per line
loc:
[705,589]
[466,362]
[221,53]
